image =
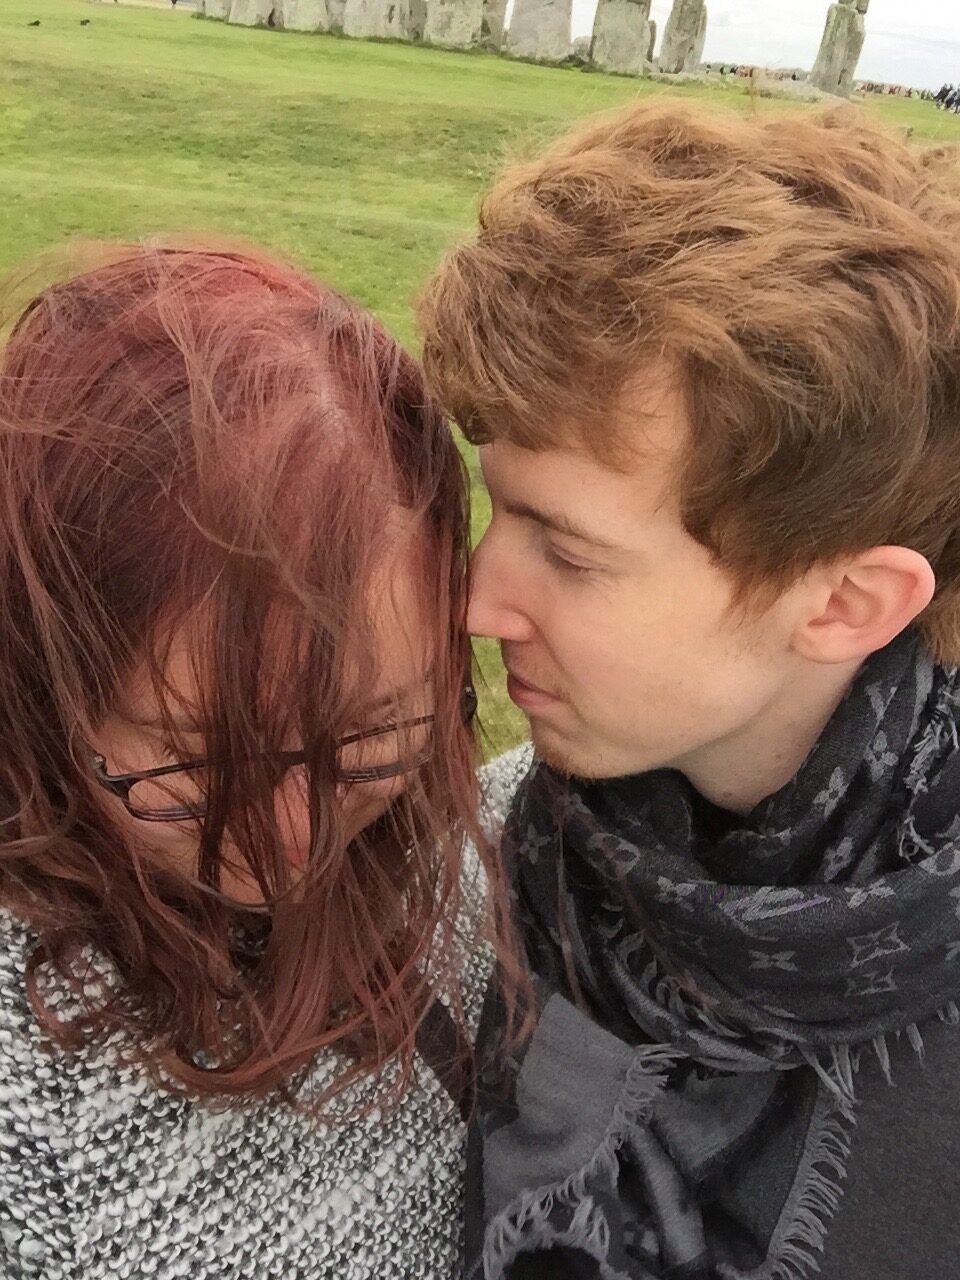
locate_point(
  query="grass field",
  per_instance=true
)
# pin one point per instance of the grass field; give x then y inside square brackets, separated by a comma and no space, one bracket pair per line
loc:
[361,160]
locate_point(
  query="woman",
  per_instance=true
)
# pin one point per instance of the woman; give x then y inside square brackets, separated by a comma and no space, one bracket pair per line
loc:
[235,778]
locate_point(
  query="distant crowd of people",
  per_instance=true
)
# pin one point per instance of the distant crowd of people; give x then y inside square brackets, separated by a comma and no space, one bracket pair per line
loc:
[895,90]
[948,98]
[745,71]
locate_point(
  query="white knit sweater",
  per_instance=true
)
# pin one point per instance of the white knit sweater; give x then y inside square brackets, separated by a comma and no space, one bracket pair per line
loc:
[102,1174]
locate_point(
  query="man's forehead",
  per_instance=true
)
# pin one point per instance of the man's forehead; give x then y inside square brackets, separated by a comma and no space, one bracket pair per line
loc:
[646,418]
[645,426]
[571,493]
[650,417]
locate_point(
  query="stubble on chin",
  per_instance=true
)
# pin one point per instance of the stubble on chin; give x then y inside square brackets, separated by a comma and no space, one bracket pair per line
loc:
[574,761]
[558,755]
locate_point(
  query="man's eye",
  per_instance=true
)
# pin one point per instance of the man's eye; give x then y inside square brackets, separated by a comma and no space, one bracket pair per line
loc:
[562,564]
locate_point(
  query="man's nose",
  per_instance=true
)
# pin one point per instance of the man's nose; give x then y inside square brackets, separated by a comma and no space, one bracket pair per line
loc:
[495,599]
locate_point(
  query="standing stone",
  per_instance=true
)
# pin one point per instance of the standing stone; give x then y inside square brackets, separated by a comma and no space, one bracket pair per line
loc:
[252,13]
[492,23]
[621,36]
[700,42]
[382,19]
[418,19]
[652,45]
[540,30]
[857,37]
[580,51]
[841,46]
[454,24]
[302,15]
[216,8]
[335,15]
[682,35]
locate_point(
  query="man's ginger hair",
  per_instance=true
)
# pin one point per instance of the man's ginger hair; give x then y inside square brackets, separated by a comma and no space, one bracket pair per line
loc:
[801,272]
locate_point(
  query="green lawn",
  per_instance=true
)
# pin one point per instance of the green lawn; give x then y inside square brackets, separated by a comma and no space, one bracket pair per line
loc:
[361,160]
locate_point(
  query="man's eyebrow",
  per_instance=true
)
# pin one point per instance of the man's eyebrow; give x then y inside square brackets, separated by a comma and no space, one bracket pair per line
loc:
[559,523]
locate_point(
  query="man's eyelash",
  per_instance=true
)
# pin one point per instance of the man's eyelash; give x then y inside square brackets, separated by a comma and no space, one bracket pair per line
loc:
[564,565]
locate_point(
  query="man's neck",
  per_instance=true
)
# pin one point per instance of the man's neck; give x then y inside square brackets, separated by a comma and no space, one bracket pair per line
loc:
[739,771]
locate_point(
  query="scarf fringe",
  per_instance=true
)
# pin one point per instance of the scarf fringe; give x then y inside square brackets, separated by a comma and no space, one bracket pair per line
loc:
[837,1066]
[835,1072]
[525,1224]
[948,1014]
[803,1241]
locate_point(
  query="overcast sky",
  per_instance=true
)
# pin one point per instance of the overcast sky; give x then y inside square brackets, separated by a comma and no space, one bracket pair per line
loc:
[914,42]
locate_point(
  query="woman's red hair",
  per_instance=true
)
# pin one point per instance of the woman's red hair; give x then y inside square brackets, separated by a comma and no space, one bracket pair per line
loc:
[209,438]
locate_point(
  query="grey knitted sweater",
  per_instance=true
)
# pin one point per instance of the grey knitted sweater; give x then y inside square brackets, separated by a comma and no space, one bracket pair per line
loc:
[104,1174]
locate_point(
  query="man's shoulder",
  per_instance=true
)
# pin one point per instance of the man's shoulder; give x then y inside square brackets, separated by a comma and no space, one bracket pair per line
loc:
[897,1219]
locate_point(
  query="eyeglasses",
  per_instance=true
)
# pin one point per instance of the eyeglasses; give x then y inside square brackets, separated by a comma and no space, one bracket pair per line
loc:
[177,792]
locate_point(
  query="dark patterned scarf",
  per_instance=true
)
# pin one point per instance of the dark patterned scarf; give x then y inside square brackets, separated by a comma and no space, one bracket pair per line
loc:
[705,986]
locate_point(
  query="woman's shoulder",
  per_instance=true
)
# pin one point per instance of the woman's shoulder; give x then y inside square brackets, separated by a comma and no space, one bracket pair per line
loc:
[16,943]
[499,780]
[351,1178]
[35,1074]
[498,784]
[16,936]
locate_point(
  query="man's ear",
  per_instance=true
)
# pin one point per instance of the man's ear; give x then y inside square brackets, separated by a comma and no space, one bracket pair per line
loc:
[858,605]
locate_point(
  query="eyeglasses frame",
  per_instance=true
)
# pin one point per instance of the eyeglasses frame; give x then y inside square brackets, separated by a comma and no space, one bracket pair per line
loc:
[121,784]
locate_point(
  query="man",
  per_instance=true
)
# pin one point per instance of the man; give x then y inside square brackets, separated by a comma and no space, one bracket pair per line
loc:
[713,368]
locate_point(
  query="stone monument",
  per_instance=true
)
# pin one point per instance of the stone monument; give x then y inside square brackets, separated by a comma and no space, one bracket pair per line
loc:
[492,23]
[652,46]
[453,24]
[540,30]
[302,15]
[381,19]
[252,13]
[215,8]
[841,46]
[621,36]
[701,41]
[417,21]
[857,37]
[684,37]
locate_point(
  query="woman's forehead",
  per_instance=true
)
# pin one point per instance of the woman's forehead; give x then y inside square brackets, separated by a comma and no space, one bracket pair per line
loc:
[387,663]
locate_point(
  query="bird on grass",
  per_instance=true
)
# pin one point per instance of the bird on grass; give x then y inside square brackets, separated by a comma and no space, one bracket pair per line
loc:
[34,23]
[84,22]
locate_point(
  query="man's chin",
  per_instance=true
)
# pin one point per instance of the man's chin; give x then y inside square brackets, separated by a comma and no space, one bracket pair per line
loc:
[566,758]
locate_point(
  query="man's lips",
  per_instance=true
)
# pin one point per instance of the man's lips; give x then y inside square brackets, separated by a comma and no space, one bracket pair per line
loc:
[527,696]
